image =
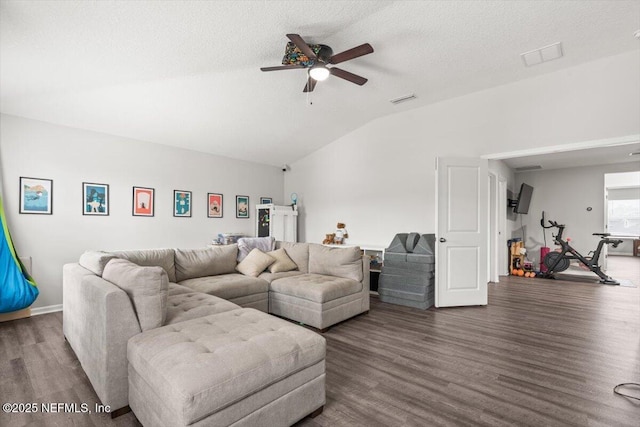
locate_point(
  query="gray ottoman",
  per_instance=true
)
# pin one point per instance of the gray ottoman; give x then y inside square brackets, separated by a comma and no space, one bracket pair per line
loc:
[241,367]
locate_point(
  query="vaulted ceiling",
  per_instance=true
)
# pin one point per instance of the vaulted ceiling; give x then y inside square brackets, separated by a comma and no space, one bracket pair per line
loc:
[187,74]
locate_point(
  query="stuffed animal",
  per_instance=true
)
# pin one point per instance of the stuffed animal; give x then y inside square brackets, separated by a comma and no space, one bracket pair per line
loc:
[328,240]
[341,233]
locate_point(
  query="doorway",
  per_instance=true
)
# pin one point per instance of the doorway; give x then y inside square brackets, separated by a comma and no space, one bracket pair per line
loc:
[600,152]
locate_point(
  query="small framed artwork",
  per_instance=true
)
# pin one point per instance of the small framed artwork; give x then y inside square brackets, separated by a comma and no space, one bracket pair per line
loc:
[214,205]
[95,199]
[265,200]
[242,206]
[36,196]
[181,203]
[143,201]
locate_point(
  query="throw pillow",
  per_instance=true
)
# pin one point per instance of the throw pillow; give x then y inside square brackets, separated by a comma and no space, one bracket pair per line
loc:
[255,263]
[282,263]
[147,287]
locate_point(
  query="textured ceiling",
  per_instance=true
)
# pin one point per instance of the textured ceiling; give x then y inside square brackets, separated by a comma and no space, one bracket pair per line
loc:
[187,73]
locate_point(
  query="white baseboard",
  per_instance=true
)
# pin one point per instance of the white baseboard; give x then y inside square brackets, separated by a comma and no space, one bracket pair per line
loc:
[44,310]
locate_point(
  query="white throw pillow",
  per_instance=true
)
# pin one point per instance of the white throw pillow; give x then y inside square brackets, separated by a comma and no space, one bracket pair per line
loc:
[282,263]
[255,263]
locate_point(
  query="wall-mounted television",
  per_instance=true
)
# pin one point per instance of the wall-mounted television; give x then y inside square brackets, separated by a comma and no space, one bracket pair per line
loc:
[521,205]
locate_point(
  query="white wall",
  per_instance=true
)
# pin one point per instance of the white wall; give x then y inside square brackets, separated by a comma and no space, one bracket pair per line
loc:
[71,156]
[380,178]
[565,195]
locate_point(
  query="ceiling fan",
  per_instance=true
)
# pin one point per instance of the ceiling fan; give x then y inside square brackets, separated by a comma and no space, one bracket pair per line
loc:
[315,58]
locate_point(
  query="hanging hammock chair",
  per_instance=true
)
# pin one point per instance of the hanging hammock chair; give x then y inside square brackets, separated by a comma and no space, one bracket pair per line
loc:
[17,289]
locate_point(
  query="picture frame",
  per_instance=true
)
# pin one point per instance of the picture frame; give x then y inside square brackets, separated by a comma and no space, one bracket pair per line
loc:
[242,207]
[95,199]
[182,203]
[36,196]
[266,200]
[143,203]
[214,205]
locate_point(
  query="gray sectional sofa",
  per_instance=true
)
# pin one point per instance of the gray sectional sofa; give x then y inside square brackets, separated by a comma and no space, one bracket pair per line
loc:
[184,338]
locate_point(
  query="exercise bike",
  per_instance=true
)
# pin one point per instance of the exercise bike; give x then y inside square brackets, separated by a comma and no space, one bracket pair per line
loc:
[560,261]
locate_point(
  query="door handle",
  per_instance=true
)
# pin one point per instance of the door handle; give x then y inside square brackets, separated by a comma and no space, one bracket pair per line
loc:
[442,240]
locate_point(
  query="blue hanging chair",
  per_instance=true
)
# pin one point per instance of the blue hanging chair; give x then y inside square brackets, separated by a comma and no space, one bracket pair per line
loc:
[18,290]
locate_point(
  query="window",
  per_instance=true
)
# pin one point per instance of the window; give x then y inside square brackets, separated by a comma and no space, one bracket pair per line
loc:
[623,211]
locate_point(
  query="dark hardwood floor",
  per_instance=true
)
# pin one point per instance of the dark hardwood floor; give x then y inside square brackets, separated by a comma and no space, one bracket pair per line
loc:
[542,353]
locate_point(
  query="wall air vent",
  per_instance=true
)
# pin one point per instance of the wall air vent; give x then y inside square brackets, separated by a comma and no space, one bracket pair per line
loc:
[543,54]
[402,99]
[528,168]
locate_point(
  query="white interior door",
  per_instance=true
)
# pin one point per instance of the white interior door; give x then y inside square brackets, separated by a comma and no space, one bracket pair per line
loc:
[462,206]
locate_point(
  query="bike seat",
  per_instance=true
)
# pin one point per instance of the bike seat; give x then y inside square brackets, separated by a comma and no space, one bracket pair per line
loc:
[602,234]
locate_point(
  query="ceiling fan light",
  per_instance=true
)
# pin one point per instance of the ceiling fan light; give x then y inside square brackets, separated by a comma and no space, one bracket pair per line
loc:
[319,72]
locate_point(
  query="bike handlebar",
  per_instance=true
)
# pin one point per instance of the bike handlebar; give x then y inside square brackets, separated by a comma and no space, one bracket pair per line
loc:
[553,223]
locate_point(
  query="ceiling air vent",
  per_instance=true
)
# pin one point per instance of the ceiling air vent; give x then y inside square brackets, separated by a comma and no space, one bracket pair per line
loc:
[543,54]
[528,168]
[402,99]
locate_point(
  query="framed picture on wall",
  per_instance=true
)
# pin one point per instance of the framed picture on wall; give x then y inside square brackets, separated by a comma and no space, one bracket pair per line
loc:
[242,206]
[214,205]
[181,203]
[36,196]
[143,201]
[265,200]
[95,199]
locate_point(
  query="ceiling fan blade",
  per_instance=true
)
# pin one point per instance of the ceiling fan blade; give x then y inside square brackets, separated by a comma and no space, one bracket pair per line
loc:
[282,67]
[311,84]
[363,49]
[353,78]
[302,45]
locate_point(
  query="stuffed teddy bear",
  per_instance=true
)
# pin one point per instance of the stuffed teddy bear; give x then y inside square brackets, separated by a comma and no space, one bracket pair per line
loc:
[341,233]
[328,240]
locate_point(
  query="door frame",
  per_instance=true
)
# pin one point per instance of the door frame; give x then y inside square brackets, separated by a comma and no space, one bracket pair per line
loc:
[496,227]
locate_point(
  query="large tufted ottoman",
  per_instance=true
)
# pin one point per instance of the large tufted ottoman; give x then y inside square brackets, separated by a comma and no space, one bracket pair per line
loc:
[240,367]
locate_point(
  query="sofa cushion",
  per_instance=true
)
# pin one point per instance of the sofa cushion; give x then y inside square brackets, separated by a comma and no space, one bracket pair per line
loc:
[210,261]
[255,263]
[298,252]
[185,304]
[341,262]
[201,366]
[316,287]
[247,244]
[147,287]
[228,286]
[282,263]
[152,258]
[95,261]
[270,277]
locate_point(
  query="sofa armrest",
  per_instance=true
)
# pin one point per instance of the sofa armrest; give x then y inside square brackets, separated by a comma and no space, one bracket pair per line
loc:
[365,283]
[98,321]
